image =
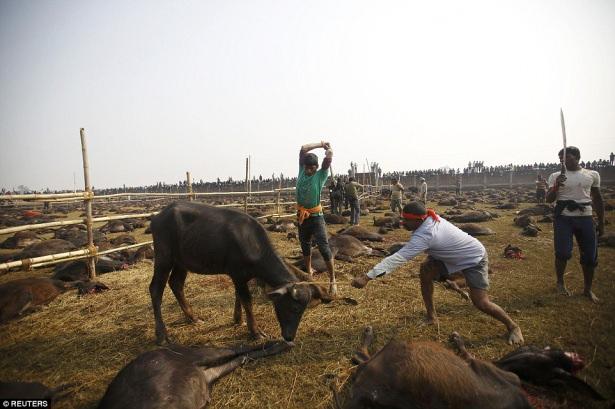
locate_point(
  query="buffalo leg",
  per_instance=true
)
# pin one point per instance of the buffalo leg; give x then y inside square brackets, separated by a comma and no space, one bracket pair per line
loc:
[217,372]
[237,312]
[162,269]
[176,282]
[461,346]
[243,292]
[361,356]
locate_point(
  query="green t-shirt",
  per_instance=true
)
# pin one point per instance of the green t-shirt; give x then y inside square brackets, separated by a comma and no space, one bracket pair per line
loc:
[309,188]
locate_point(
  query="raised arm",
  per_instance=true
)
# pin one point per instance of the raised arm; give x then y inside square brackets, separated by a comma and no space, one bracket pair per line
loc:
[310,146]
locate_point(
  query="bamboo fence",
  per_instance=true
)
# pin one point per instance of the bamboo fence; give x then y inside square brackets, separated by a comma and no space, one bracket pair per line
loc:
[87,196]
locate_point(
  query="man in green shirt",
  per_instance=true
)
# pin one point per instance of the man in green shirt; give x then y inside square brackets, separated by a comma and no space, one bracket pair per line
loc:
[309,210]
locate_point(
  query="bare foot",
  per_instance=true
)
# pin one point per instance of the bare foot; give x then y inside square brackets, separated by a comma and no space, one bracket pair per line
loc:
[515,337]
[589,294]
[561,289]
[258,334]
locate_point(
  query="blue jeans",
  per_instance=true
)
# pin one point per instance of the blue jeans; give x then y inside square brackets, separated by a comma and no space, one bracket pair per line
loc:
[581,227]
[355,210]
[314,226]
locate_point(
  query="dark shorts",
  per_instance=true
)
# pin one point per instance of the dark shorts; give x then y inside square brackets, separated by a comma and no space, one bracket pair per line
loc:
[314,227]
[540,194]
[581,227]
[476,276]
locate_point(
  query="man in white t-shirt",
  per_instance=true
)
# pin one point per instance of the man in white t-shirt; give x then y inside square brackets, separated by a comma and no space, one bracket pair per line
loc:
[574,193]
[450,250]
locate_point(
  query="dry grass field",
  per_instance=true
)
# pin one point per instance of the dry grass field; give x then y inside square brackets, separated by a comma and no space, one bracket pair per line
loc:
[87,340]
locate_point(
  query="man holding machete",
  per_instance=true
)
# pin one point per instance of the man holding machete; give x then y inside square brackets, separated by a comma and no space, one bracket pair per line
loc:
[575,190]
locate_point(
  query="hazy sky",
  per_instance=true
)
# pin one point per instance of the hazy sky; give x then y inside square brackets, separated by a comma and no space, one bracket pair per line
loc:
[165,87]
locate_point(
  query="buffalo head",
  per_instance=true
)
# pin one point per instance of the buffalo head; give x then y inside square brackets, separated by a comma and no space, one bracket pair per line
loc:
[291,300]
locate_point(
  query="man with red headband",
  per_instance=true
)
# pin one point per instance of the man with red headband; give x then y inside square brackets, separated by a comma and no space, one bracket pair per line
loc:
[449,250]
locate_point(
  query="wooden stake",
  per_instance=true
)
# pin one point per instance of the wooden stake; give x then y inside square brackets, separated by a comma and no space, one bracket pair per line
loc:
[88,204]
[189,187]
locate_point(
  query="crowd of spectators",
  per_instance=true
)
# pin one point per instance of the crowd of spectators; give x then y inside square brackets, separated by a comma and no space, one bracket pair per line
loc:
[260,183]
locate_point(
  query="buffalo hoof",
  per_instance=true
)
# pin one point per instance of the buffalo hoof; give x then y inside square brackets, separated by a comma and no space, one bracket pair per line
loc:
[591,296]
[259,335]
[195,320]
[162,340]
[333,290]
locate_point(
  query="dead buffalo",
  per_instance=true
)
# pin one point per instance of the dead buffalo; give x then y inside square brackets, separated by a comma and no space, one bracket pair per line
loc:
[117,226]
[78,270]
[209,240]
[31,390]
[78,236]
[331,218]
[281,227]
[524,220]
[361,233]
[476,229]
[20,240]
[607,239]
[539,210]
[123,239]
[426,375]
[349,247]
[45,248]
[387,221]
[530,230]
[23,296]
[475,216]
[178,377]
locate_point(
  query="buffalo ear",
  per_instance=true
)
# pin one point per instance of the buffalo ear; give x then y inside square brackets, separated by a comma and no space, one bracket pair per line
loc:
[320,293]
[278,292]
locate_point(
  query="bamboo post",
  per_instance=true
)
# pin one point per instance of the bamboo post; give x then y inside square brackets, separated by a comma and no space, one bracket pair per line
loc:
[510,178]
[189,187]
[88,205]
[277,202]
[245,198]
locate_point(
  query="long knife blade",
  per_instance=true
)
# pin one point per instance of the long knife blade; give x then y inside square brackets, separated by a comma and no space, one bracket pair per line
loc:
[561,114]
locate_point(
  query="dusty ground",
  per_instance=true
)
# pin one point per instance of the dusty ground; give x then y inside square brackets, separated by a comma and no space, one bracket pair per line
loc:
[88,340]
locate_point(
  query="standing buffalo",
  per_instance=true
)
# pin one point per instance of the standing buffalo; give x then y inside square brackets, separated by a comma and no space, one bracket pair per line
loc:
[209,240]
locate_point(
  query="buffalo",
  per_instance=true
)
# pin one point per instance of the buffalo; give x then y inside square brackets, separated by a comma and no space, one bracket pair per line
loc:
[426,375]
[209,240]
[178,377]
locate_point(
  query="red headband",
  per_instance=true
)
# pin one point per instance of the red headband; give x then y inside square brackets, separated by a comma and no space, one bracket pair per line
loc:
[430,213]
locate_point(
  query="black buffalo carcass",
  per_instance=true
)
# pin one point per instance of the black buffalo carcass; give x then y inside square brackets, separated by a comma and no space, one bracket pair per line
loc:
[178,377]
[426,375]
[208,240]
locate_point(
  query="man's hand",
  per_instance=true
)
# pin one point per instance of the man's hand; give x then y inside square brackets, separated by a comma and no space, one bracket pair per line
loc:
[559,181]
[326,145]
[361,281]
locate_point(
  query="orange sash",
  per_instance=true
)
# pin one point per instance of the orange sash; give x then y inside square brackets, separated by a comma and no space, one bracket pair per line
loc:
[303,213]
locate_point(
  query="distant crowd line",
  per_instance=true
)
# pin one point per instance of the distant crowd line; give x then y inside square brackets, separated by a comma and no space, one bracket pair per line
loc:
[260,183]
